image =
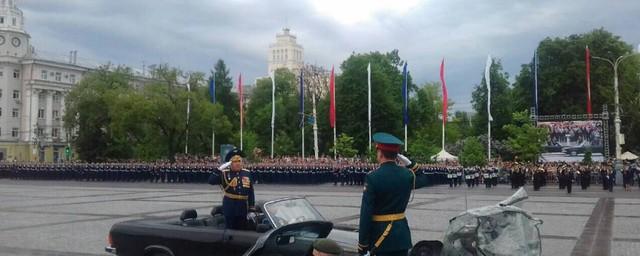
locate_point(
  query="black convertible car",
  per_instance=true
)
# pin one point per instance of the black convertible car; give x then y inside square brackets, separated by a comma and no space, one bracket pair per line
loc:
[286,226]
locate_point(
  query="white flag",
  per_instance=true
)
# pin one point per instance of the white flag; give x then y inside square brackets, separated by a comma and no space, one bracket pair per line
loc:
[487,79]
[273,99]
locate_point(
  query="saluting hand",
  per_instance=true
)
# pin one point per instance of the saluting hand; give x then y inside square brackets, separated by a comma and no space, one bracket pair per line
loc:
[404,160]
[224,166]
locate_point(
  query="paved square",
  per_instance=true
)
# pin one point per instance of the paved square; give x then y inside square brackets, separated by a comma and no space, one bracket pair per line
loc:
[73,218]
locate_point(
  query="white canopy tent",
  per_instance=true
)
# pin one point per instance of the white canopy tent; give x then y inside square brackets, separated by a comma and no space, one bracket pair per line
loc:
[628,156]
[444,156]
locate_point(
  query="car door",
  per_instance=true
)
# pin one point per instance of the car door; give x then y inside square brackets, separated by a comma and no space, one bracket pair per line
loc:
[291,240]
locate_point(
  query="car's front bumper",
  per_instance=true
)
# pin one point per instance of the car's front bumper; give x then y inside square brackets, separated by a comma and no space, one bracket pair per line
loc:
[110,249]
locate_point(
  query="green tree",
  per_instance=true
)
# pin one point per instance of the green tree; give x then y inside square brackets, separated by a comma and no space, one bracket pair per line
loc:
[284,145]
[351,97]
[87,113]
[525,140]
[472,153]
[146,123]
[224,95]
[344,146]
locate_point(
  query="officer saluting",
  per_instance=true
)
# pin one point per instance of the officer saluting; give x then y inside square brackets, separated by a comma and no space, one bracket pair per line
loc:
[383,225]
[237,187]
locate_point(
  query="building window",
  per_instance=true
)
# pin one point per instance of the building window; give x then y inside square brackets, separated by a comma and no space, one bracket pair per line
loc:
[40,132]
[43,75]
[16,73]
[72,78]
[0,111]
[58,76]
[55,132]
[14,132]
[41,113]
[14,113]
[16,94]
[13,21]
[1,73]
[0,93]
[55,114]
[1,20]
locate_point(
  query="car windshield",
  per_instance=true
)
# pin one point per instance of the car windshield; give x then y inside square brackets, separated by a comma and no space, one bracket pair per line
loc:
[291,211]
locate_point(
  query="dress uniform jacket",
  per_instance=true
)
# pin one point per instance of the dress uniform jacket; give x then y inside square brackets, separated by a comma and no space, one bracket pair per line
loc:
[237,188]
[383,225]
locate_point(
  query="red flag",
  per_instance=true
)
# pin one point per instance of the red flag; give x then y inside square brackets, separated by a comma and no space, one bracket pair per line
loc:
[332,98]
[588,61]
[445,95]
[241,100]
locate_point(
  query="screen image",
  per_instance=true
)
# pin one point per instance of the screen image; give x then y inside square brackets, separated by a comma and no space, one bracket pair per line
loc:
[570,140]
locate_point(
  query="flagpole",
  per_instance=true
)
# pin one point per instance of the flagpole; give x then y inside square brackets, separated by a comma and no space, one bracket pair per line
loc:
[487,80]
[186,144]
[535,81]
[405,138]
[405,102]
[212,89]
[302,115]
[489,141]
[241,109]
[315,127]
[369,101]
[273,108]
[213,143]
[335,144]
[443,133]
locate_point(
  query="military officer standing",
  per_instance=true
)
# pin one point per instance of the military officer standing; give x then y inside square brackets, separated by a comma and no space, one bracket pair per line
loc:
[237,187]
[383,226]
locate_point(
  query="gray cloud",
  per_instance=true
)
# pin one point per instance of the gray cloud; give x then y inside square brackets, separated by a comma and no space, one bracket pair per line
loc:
[192,34]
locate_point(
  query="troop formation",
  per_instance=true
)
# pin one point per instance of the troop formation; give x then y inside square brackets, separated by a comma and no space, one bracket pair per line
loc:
[343,172]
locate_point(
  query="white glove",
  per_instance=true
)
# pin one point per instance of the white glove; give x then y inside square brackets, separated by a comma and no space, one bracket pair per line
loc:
[404,160]
[224,166]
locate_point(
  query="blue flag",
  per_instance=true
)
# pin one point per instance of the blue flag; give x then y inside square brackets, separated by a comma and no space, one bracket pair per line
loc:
[212,89]
[405,96]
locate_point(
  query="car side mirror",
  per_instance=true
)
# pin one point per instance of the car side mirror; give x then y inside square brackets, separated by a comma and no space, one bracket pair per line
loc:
[285,240]
[261,228]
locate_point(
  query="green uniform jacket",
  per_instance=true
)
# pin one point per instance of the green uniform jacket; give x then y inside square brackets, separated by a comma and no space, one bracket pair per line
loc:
[387,191]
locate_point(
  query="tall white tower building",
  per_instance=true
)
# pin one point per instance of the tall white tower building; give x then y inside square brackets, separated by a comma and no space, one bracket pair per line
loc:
[286,53]
[32,94]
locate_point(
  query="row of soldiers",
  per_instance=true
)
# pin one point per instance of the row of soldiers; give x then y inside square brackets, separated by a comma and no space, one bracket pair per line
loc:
[270,173]
[161,172]
[473,176]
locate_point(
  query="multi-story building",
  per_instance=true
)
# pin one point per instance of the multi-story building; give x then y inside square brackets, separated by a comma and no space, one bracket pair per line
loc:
[286,53]
[32,93]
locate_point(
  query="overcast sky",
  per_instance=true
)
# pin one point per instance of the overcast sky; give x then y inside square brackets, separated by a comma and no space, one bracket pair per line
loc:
[193,34]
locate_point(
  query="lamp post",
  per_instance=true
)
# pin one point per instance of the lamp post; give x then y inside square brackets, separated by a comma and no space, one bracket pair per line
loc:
[617,122]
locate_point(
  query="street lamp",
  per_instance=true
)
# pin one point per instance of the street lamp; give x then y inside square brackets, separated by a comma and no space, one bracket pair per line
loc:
[616,120]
